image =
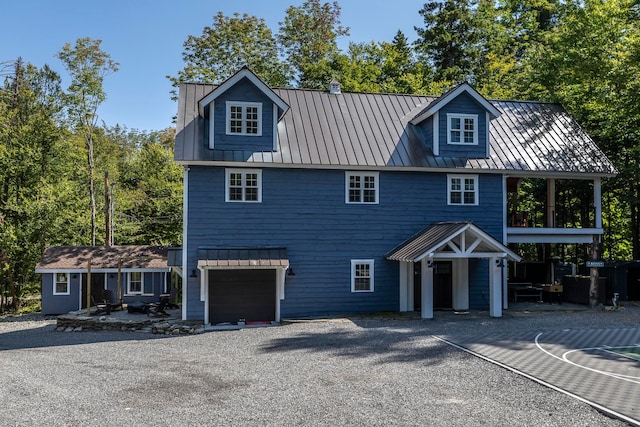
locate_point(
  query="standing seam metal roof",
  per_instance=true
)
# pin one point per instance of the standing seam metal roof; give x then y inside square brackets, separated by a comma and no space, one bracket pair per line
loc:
[373,131]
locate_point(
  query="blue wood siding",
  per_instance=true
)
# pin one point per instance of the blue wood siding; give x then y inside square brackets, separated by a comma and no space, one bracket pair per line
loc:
[463,104]
[243,91]
[305,211]
[58,304]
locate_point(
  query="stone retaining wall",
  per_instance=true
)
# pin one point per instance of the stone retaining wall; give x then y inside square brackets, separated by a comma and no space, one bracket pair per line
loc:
[76,323]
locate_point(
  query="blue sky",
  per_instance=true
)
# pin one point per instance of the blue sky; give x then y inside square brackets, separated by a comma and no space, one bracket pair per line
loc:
[146,38]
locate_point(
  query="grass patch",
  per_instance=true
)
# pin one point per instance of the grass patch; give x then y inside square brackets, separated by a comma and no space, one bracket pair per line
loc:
[631,352]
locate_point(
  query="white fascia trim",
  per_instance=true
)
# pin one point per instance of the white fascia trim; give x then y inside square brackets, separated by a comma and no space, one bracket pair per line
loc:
[501,249]
[446,98]
[436,133]
[231,81]
[509,172]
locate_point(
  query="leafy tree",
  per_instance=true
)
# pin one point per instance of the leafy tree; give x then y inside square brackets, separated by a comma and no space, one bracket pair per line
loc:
[30,139]
[149,196]
[380,67]
[308,39]
[447,42]
[87,66]
[589,62]
[227,45]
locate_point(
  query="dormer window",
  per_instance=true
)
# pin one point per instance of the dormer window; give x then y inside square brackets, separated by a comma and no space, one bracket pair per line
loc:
[462,129]
[244,118]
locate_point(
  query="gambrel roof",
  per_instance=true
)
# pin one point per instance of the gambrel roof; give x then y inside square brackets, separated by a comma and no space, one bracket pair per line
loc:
[374,131]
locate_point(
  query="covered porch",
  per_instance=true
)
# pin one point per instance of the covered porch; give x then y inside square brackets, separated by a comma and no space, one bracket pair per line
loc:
[450,244]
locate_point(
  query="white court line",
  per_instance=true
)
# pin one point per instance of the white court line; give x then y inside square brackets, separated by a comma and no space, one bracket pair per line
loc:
[565,359]
[544,383]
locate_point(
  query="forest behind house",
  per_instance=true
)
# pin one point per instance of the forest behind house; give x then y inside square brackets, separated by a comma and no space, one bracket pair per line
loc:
[55,152]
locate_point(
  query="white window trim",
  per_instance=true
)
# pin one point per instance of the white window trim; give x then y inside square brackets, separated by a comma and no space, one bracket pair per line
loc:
[55,282]
[230,104]
[371,264]
[476,189]
[347,178]
[451,116]
[228,172]
[129,291]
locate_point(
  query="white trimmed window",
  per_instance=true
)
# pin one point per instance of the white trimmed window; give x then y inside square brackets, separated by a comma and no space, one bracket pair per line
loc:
[462,129]
[362,275]
[243,185]
[244,118]
[61,285]
[135,282]
[462,189]
[361,187]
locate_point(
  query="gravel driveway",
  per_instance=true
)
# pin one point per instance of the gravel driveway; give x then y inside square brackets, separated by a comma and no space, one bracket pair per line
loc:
[379,370]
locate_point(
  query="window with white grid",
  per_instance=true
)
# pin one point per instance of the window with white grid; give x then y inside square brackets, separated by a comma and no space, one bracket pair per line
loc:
[361,187]
[244,185]
[244,118]
[463,189]
[462,129]
[362,275]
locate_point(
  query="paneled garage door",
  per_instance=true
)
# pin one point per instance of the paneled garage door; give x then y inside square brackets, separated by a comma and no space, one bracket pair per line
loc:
[242,294]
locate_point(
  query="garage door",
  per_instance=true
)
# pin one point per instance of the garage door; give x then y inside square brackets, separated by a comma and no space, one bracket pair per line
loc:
[242,294]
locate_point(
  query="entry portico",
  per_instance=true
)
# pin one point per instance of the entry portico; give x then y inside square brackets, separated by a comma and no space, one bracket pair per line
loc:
[456,242]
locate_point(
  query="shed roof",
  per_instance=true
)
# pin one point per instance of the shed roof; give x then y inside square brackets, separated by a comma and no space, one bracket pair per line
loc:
[103,257]
[364,130]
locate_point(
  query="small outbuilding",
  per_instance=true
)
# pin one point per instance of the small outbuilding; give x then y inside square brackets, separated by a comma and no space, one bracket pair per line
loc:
[133,273]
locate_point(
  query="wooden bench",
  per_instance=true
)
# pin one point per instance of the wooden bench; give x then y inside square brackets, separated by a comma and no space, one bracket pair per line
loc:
[524,290]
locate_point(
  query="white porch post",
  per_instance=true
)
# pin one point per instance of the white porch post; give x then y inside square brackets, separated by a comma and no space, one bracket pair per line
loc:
[280,275]
[460,278]
[495,287]
[404,286]
[551,202]
[597,201]
[505,289]
[427,289]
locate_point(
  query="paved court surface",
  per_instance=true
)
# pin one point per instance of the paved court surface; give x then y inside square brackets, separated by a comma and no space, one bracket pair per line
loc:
[585,363]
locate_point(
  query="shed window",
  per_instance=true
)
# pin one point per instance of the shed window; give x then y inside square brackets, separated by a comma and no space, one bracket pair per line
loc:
[134,285]
[362,187]
[463,190]
[61,285]
[244,185]
[462,129]
[362,275]
[244,118]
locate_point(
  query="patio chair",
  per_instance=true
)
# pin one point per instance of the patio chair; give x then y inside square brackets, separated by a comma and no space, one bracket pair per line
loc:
[158,310]
[110,298]
[108,303]
[172,298]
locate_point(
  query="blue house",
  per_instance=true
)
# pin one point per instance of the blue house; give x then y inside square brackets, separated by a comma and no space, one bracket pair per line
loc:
[304,202]
[133,272]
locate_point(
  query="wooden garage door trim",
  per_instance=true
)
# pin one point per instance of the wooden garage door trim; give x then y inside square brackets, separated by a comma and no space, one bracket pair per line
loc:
[235,294]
